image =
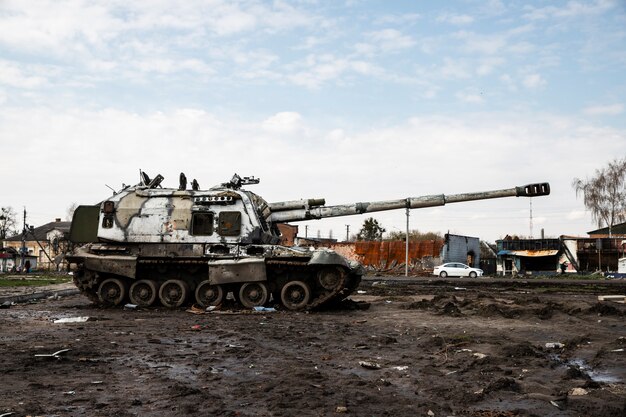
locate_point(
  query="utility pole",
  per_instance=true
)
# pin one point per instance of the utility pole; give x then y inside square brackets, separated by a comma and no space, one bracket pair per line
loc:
[347,232]
[23,250]
[406,255]
[531,217]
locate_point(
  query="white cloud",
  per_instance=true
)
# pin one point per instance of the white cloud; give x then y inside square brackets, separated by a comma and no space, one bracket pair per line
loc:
[482,44]
[533,81]
[608,109]
[454,69]
[572,9]
[283,122]
[397,19]
[456,19]
[389,40]
[69,27]
[12,75]
[470,97]
[316,70]
[488,65]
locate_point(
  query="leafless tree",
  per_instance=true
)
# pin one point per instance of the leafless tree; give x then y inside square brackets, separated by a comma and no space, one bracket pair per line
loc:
[605,194]
[414,235]
[70,212]
[7,222]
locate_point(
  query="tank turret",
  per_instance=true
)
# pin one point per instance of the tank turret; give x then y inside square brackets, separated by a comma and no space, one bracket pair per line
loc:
[147,244]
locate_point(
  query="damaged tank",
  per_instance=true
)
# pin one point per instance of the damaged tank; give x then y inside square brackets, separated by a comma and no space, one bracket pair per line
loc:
[175,246]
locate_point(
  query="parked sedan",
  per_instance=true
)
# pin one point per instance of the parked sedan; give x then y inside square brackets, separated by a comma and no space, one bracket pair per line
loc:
[455,269]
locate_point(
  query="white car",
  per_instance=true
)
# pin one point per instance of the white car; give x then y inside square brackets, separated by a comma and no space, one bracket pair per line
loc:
[455,269]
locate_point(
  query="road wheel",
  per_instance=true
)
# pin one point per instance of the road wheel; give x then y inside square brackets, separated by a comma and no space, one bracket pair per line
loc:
[472,274]
[143,293]
[209,295]
[253,294]
[443,274]
[295,295]
[112,291]
[330,278]
[173,293]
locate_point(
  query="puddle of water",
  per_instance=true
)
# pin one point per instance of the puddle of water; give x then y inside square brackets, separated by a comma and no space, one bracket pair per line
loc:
[595,375]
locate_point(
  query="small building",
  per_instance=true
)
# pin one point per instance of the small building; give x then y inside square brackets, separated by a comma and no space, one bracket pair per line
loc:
[7,259]
[528,256]
[488,258]
[598,252]
[44,246]
[463,249]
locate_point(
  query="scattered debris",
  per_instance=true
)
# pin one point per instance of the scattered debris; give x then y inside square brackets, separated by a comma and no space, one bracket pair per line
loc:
[6,414]
[430,413]
[72,320]
[554,345]
[554,403]
[578,392]
[130,306]
[341,409]
[460,288]
[55,355]
[615,298]
[195,309]
[369,365]
[7,304]
[480,355]
[212,308]
[617,350]
[400,368]
[69,392]
[261,308]
[196,327]
[361,292]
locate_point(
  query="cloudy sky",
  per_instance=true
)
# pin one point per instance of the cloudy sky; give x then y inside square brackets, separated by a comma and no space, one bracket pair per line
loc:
[353,100]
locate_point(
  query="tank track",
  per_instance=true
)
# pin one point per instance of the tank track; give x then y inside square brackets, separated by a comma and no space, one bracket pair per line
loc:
[322,297]
[88,283]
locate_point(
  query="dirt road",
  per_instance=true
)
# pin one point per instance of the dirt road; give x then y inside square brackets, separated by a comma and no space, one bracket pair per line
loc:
[417,351]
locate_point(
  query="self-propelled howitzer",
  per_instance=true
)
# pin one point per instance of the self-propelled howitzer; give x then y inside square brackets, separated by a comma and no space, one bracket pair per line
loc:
[146,244]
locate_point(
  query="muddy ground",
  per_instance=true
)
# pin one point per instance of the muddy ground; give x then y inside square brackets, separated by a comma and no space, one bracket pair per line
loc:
[419,350]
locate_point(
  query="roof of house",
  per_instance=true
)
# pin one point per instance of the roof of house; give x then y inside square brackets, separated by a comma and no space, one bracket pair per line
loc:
[617,229]
[41,231]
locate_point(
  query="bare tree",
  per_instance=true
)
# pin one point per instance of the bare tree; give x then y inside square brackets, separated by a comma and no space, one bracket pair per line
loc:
[70,212]
[605,194]
[414,235]
[7,222]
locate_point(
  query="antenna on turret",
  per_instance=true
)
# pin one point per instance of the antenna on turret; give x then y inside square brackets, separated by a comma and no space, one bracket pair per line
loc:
[144,178]
[236,182]
[111,188]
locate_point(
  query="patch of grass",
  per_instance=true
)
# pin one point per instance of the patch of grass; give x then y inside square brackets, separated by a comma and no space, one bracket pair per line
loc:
[33,280]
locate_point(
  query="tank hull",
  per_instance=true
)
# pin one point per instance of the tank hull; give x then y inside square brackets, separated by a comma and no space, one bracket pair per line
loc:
[177,275]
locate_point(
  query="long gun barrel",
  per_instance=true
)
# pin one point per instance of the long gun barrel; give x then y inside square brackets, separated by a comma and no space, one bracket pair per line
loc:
[300,210]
